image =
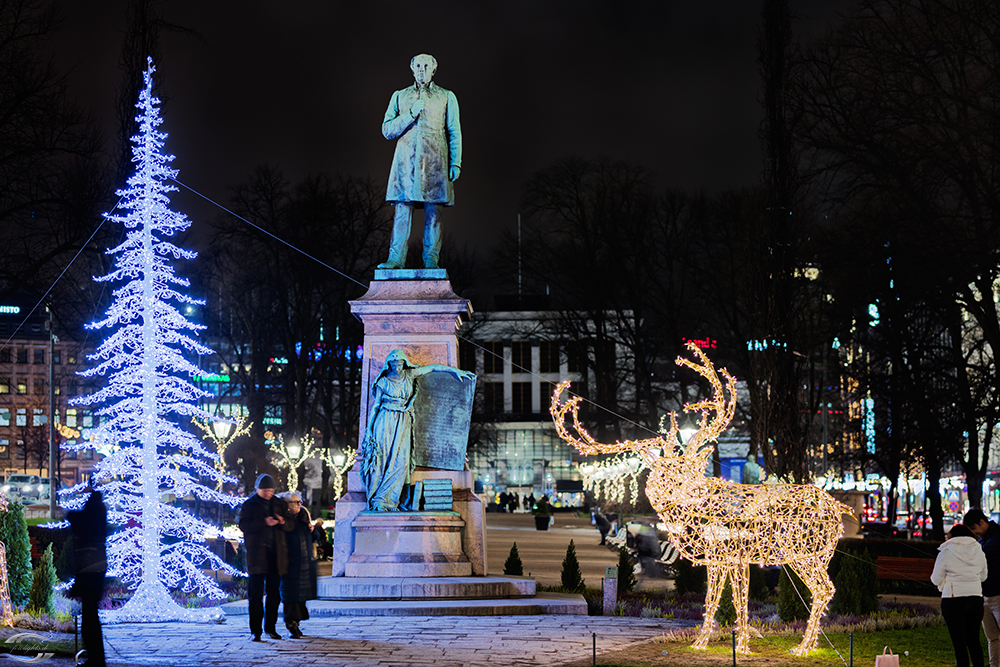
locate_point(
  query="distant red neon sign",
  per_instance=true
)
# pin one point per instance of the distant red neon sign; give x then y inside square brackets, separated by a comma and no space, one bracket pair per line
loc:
[703,343]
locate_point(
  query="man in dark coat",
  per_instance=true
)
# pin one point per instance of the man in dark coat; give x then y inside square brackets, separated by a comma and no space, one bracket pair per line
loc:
[261,517]
[988,533]
[89,527]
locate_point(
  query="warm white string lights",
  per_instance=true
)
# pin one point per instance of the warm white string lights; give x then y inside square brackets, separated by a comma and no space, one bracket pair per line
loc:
[609,479]
[290,455]
[146,394]
[340,463]
[222,433]
[721,524]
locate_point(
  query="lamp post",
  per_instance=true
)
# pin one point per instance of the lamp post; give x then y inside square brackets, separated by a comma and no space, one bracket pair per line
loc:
[220,431]
[340,462]
[291,456]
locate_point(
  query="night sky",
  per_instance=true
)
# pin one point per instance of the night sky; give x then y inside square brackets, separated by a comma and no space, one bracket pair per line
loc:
[304,85]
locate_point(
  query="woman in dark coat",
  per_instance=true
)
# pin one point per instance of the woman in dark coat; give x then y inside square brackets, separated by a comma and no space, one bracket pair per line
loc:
[299,583]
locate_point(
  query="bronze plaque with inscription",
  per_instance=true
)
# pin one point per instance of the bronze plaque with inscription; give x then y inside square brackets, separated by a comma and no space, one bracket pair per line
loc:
[442,412]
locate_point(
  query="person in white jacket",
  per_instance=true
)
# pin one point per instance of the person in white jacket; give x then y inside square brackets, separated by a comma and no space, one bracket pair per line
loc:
[959,573]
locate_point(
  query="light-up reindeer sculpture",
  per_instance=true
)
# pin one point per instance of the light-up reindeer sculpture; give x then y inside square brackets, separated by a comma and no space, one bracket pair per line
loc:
[721,524]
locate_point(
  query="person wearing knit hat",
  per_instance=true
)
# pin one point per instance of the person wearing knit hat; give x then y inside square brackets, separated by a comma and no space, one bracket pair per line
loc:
[261,518]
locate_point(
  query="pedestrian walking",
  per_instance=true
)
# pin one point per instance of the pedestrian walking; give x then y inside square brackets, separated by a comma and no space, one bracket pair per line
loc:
[261,517]
[89,526]
[298,584]
[959,571]
[988,533]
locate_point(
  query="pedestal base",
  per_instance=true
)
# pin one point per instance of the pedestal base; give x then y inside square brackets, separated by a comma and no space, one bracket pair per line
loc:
[408,544]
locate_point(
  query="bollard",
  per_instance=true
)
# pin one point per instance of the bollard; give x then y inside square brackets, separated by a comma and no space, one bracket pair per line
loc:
[852,649]
[610,586]
[594,634]
[734,648]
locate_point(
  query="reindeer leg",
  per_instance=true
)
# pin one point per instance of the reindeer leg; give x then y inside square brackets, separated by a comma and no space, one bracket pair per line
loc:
[813,574]
[740,578]
[716,582]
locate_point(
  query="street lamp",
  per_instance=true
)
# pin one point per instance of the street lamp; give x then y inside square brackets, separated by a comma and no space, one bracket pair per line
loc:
[340,462]
[221,432]
[291,455]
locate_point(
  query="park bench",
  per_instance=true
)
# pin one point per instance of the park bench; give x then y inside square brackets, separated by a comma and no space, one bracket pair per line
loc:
[619,539]
[899,567]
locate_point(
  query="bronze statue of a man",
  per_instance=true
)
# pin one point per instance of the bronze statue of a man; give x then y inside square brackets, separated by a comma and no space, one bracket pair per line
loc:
[427,161]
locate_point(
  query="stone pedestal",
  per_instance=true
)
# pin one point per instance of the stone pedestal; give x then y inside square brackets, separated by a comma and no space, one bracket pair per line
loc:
[418,312]
[408,544]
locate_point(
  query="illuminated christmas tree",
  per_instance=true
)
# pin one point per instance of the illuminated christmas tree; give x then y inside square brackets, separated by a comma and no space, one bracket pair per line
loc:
[147,396]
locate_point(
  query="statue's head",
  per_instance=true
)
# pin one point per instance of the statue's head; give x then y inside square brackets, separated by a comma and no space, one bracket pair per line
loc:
[398,359]
[423,67]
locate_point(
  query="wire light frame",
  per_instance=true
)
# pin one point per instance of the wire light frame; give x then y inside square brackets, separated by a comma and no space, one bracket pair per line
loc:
[721,524]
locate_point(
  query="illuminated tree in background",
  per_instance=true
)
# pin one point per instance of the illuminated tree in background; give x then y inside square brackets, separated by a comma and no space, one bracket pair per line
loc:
[147,396]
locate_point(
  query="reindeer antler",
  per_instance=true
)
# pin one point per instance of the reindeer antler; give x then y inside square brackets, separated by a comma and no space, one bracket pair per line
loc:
[708,430]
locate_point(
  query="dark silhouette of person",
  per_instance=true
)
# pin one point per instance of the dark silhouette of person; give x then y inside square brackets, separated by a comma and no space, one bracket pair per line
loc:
[267,556]
[89,527]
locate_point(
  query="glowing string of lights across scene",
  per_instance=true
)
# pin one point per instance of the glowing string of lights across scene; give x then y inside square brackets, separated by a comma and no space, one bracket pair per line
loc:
[719,523]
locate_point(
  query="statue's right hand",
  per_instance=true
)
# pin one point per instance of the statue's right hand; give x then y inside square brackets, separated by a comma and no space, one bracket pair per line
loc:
[417,107]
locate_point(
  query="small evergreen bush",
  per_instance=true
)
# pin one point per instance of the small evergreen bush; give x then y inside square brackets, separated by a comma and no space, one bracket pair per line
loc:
[65,562]
[758,584]
[42,581]
[856,584]
[790,606]
[14,535]
[513,565]
[726,613]
[626,573]
[688,578]
[572,577]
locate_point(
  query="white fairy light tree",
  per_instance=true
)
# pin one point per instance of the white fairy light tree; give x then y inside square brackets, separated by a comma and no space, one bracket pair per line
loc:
[157,546]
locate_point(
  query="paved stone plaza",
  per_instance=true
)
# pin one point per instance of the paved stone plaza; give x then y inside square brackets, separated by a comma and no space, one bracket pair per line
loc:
[446,641]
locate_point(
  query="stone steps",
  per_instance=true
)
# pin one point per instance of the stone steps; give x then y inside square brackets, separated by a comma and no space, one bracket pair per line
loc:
[424,588]
[547,603]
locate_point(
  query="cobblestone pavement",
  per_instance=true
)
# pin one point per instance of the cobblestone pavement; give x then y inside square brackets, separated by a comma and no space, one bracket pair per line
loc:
[447,641]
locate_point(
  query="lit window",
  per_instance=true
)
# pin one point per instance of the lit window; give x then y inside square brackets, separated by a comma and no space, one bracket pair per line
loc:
[4,416]
[22,417]
[38,417]
[71,417]
[4,449]
[4,388]
[22,387]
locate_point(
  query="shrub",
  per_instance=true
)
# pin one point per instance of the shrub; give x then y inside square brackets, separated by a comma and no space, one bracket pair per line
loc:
[513,565]
[856,584]
[726,613]
[42,581]
[65,562]
[790,604]
[14,535]
[626,572]
[758,584]
[688,578]
[572,577]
